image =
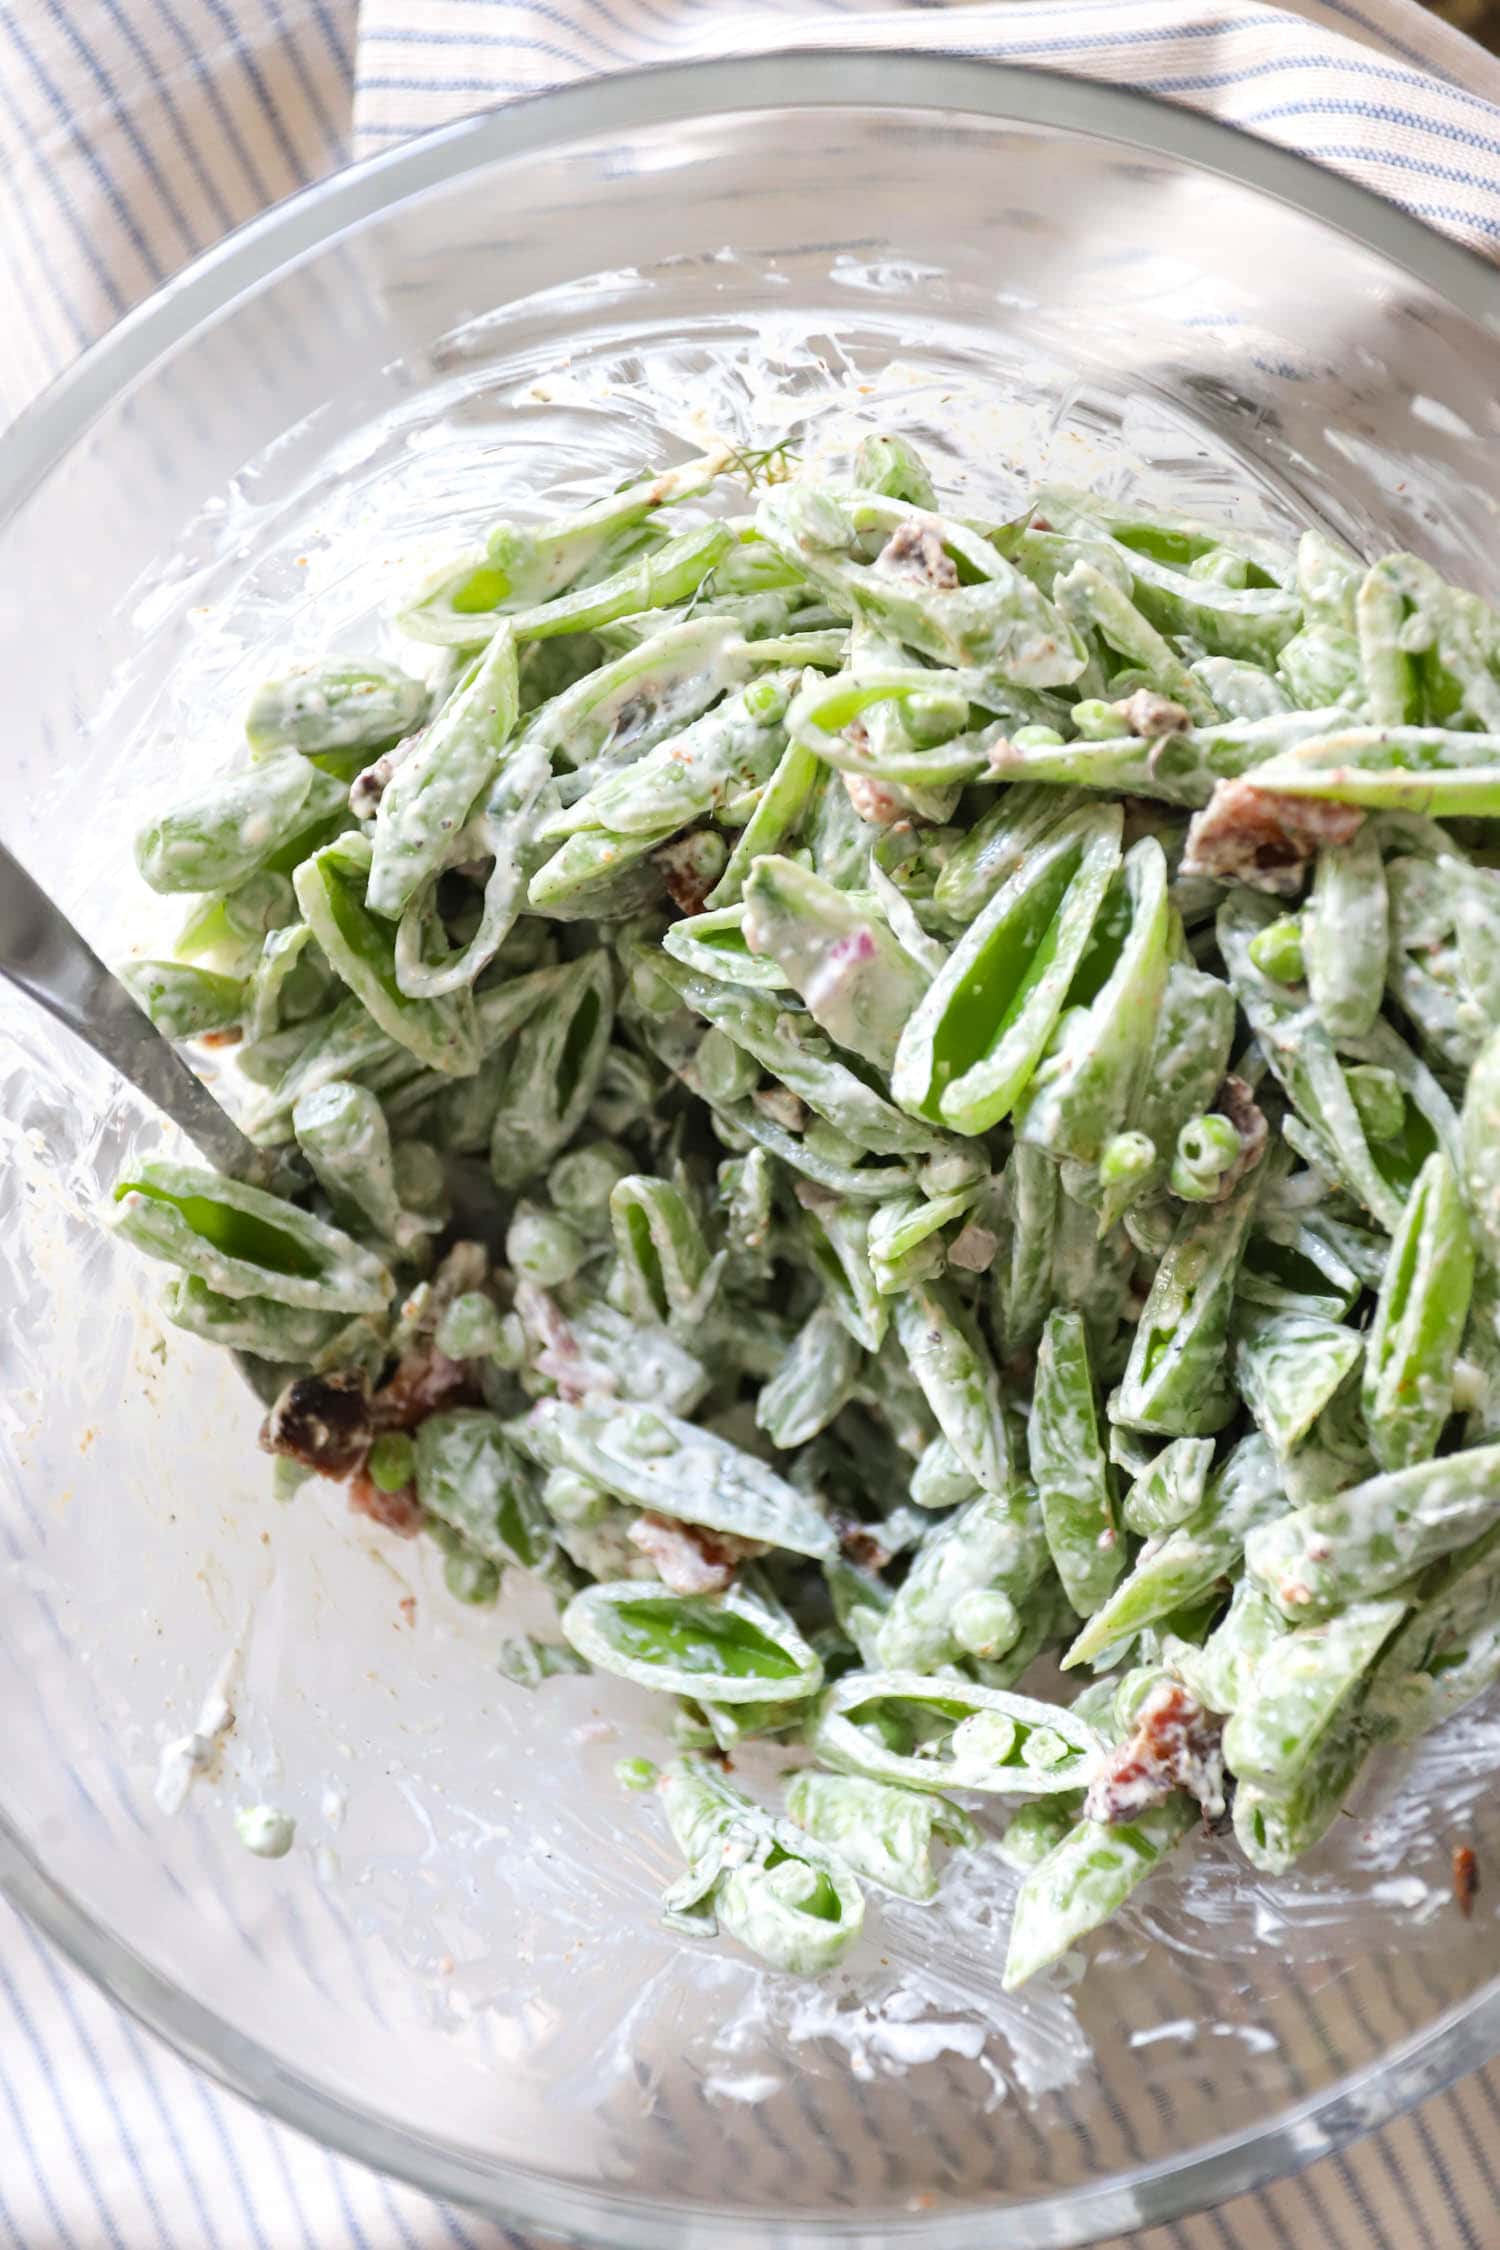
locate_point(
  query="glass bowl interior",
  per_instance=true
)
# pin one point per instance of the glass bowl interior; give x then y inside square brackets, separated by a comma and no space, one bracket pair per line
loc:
[458,1972]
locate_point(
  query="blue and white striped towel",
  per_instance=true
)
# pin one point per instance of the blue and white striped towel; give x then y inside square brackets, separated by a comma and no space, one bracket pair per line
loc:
[134,133]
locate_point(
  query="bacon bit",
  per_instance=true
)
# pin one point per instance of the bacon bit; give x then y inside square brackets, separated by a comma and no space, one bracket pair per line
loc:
[689,1558]
[916,550]
[1262,837]
[876,801]
[323,1421]
[1235,1101]
[367,788]
[973,1250]
[230,1036]
[1150,715]
[682,870]
[1175,1746]
[859,1545]
[1465,1878]
[400,1512]
[425,1381]
[559,1358]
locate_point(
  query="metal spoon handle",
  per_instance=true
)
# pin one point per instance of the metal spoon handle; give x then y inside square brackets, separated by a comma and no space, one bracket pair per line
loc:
[43,956]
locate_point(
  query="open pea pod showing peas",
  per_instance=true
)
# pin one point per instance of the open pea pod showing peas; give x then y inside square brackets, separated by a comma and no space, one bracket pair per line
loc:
[730,1648]
[1181,768]
[924,1733]
[361,949]
[771,1885]
[242,1242]
[932,736]
[978,1033]
[968,1585]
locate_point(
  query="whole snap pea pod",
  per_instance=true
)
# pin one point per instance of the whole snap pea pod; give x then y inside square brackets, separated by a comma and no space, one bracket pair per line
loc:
[654,578]
[1371,1538]
[236,824]
[471,1478]
[283,979]
[884,1834]
[713,944]
[684,779]
[184,1001]
[951,1362]
[1345,930]
[915,589]
[1071,1468]
[1219,1673]
[342,1131]
[361,950]
[1303,1057]
[805,1064]
[996,845]
[1181,768]
[243,1242]
[1085,1878]
[555,1068]
[1092,602]
[923,1733]
[1168,1490]
[616,714]
[1085,1085]
[1022,1291]
[814,1382]
[261,1326]
[888,464]
[670,1276]
[903,726]
[778,815]
[1172,1571]
[334,706]
[1185,1066]
[431,794]
[523,565]
[769,1884]
[1429,770]
[837,950]
[659,1462]
[1299,1690]
[733,1647]
[1274,1829]
[979,1031]
[1481,1146]
[1176,1379]
[1420,1316]
[967,1585]
[1447,1652]
[1288,1366]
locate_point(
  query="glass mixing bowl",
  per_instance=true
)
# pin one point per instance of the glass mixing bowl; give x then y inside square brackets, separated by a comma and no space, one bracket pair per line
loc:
[458,1974]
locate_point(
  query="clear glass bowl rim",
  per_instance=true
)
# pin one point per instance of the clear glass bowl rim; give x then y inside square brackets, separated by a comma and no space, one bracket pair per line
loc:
[1465,2037]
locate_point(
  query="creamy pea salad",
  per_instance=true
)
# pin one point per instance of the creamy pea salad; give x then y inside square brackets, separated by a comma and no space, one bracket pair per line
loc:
[905,1112]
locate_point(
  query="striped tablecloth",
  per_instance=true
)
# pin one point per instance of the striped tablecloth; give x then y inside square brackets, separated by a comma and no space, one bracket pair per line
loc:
[133,133]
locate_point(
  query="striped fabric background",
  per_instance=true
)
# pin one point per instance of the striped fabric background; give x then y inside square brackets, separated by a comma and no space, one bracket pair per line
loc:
[134,133]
